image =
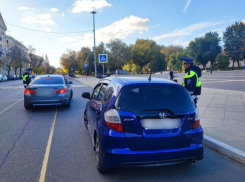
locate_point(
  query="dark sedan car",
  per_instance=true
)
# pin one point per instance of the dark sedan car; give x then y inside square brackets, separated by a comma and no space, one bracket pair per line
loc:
[48,90]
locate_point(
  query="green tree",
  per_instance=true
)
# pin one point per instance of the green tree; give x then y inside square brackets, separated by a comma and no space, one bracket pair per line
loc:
[175,61]
[119,54]
[234,40]
[222,61]
[213,49]
[142,52]
[199,50]
[168,50]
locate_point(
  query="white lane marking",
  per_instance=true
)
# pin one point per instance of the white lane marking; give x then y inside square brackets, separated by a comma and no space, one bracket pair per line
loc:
[10,106]
[77,86]
[225,81]
[46,156]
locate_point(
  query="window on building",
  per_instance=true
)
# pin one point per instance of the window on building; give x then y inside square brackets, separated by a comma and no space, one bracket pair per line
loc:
[1,39]
[1,46]
[7,41]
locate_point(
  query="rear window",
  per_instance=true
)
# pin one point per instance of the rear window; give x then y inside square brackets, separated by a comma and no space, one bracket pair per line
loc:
[137,98]
[48,80]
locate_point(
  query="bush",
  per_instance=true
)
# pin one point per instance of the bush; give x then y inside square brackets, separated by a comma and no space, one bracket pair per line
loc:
[222,61]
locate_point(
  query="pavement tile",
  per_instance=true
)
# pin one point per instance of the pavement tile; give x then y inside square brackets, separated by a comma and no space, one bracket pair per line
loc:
[210,123]
[214,113]
[201,110]
[233,122]
[234,115]
[235,102]
[235,108]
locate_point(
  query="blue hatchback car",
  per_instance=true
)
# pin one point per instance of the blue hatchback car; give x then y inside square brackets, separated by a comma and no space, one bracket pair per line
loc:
[137,122]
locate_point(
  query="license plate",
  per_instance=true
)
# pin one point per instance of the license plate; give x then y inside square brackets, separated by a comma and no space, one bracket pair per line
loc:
[45,92]
[166,123]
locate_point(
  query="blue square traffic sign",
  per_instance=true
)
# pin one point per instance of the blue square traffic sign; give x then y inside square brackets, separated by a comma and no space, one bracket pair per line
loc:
[85,65]
[103,58]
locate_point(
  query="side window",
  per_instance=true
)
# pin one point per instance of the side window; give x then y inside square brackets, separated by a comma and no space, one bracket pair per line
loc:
[96,92]
[102,92]
[109,92]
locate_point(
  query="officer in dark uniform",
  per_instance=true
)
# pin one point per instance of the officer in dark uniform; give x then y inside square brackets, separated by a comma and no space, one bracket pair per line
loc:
[26,77]
[192,81]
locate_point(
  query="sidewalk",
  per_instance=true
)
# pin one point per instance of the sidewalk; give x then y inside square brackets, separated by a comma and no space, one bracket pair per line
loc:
[222,114]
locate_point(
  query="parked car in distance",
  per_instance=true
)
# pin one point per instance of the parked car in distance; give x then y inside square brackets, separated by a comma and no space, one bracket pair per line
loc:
[20,76]
[11,77]
[4,78]
[48,90]
[1,78]
[137,122]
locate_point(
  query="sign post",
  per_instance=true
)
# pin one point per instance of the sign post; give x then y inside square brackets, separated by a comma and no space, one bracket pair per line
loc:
[103,58]
[86,66]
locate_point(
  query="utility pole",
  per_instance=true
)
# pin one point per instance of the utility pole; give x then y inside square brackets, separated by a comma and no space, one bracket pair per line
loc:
[95,68]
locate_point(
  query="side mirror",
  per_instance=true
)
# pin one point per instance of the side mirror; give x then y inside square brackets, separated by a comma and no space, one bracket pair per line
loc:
[86,95]
[70,82]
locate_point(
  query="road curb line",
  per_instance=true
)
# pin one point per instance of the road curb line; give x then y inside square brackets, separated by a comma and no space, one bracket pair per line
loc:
[81,82]
[225,149]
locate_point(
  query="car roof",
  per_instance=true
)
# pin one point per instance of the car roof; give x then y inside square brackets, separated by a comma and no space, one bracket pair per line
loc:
[140,80]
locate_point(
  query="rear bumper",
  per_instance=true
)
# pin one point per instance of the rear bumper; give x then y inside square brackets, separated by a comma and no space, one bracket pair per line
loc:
[116,152]
[126,157]
[28,100]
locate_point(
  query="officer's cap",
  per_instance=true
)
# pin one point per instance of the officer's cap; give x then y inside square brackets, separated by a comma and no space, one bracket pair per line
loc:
[28,69]
[187,60]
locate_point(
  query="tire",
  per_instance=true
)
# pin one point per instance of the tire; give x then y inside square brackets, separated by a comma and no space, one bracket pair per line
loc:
[71,94]
[98,155]
[69,104]
[28,106]
[85,119]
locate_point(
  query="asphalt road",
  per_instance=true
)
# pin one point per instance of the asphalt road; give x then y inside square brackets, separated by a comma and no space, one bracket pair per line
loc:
[24,135]
[227,80]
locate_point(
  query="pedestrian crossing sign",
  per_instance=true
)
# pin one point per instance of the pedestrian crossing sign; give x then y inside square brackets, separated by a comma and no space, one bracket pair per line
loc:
[103,58]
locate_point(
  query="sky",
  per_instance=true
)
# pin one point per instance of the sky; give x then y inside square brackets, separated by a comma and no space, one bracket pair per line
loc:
[58,25]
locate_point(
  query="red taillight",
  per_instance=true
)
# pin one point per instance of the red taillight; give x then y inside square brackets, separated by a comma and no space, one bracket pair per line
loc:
[197,119]
[28,91]
[115,126]
[113,120]
[196,124]
[61,91]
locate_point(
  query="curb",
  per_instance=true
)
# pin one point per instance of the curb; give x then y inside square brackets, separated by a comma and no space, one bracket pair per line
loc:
[225,149]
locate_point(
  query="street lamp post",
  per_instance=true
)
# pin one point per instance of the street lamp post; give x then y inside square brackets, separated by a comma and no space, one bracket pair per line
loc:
[95,68]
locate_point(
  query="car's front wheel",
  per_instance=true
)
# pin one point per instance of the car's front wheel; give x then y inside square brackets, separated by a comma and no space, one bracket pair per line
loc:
[85,119]
[99,167]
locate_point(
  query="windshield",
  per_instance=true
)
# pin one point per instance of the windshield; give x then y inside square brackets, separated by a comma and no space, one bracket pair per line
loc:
[137,98]
[48,80]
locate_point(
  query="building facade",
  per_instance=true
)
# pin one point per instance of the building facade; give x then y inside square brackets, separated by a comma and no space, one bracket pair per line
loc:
[6,43]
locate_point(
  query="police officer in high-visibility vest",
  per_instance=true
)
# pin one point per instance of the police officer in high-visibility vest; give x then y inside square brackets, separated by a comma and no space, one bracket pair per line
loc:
[26,77]
[192,80]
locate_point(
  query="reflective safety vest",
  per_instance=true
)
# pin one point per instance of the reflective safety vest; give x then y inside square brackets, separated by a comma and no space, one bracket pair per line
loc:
[192,82]
[24,77]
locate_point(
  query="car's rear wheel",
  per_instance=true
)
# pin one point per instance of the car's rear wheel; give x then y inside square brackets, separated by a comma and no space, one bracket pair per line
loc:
[28,106]
[69,104]
[99,167]
[85,119]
